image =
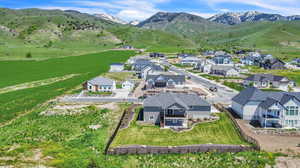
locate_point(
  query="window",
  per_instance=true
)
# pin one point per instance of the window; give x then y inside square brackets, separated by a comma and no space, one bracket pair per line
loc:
[151,117]
[292,110]
[90,87]
[291,123]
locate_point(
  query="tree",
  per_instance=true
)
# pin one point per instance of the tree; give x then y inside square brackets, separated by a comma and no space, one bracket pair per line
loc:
[28,55]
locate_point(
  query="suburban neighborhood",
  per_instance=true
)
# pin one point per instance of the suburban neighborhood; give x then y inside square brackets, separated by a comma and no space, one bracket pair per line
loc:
[130,84]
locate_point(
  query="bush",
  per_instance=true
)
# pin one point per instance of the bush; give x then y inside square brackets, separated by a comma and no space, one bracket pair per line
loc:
[28,55]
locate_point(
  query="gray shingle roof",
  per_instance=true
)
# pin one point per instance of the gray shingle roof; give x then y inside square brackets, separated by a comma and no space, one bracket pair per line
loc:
[267,98]
[165,100]
[175,78]
[101,81]
[264,77]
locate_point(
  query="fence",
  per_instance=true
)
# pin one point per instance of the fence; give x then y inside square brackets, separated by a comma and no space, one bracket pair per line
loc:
[121,123]
[138,149]
[237,126]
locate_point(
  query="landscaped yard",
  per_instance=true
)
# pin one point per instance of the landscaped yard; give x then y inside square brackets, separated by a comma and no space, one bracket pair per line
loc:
[218,132]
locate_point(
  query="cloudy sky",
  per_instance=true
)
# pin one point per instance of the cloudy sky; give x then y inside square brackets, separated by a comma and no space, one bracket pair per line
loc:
[141,9]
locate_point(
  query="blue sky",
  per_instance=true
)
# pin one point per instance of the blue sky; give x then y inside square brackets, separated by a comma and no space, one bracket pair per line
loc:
[141,9]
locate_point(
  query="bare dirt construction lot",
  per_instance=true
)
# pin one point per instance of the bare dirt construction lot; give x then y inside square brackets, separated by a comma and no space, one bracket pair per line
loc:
[273,143]
[73,108]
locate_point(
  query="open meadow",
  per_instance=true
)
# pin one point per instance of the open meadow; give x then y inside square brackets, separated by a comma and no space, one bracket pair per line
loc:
[13,73]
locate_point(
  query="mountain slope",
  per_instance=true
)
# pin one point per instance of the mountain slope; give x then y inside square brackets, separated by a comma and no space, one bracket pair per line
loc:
[185,24]
[279,38]
[56,33]
[232,18]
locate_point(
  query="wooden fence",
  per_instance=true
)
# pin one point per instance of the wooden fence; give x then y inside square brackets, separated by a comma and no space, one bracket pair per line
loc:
[121,123]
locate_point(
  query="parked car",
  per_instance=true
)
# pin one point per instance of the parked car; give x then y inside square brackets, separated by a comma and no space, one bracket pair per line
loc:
[213,89]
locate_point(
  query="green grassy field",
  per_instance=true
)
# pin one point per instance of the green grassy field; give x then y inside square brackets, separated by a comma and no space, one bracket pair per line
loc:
[18,102]
[218,132]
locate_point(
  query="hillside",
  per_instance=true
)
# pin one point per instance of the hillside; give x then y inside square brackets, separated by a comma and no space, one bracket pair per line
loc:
[187,25]
[36,33]
[278,38]
[233,18]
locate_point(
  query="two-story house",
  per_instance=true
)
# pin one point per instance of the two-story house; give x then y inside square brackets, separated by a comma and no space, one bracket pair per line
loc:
[270,109]
[222,59]
[152,69]
[172,110]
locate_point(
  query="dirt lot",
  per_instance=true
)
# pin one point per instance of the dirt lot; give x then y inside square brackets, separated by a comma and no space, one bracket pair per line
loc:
[273,143]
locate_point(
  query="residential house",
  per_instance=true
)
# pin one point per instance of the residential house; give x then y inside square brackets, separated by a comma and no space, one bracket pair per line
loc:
[139,64]
[273,63]
[296,62]
[270,109]
[156,55]
[253,58]
[209,53]
[182,56]
[191,61]
[222,59]
[269,81]
[100,84]
[204,66]
[226,71]
[162,80]
[152,69]
[127,47]
[128,85]
[116,67]
[172,110]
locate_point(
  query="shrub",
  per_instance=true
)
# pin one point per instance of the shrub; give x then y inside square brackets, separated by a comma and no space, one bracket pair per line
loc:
[28,55]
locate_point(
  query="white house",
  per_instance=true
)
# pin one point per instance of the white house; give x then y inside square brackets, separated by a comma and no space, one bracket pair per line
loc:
[190,61]
[128,85]
[116,67]
[270,109]
[100,84]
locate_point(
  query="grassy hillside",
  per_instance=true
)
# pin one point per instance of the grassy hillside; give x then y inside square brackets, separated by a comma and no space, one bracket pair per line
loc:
[278,38]
[153,40]
[35,33]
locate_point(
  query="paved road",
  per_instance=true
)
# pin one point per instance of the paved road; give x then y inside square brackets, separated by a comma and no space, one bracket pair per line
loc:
[224,94]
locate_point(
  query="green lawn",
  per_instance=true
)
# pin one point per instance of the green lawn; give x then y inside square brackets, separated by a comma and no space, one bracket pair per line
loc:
[218,132]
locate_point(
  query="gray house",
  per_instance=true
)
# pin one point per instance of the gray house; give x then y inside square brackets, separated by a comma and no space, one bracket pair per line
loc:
[270,109]
[172,110]
[160,81]
[226,71]
[269,81]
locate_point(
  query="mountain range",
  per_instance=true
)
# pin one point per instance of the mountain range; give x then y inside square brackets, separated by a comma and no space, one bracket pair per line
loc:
[232,18]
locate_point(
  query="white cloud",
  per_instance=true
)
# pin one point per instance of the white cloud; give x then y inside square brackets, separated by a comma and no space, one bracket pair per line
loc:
[83,10]
[285,7]
[126,9]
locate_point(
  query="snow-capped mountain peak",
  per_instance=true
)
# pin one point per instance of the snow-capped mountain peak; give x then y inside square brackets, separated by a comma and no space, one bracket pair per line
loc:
[110,18]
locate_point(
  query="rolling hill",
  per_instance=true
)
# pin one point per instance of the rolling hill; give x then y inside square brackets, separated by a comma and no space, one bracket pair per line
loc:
[36,33]
[279,38]
[187,25]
